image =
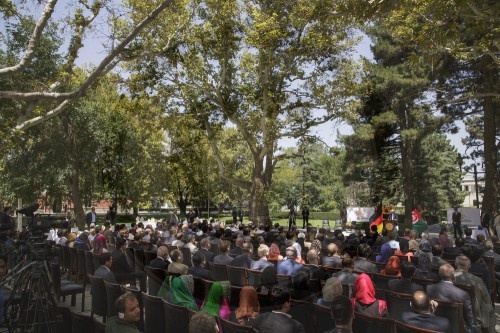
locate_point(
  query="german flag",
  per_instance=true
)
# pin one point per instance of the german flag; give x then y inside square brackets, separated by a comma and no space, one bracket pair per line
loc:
[377,218]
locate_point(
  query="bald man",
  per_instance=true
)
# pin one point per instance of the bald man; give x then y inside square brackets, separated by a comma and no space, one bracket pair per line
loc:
[333,259]
[423,314]
[444,290]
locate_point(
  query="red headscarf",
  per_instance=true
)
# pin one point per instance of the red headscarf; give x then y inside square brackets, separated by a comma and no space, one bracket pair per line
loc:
[274,252]
[393,267]
[365,292]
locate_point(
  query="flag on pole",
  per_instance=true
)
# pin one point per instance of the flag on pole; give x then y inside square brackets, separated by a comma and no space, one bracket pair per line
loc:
[377,218]
[419,224]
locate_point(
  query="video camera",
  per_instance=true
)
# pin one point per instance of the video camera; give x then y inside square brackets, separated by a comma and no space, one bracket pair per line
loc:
[42,222]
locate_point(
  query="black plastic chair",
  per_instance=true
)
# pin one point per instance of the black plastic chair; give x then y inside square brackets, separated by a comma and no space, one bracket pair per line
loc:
[199,292]
[367,324]
[81,266]
[129,253]
[99,326]
[253,278]
[302,312]
[154,314]
[323,318]
[186,256]
[139,260]
[218,271]
[156,276]
[89,263]
[176,318]
[455,314]
[73,264]
[81,323]
[230,327]
[98,300]
[149,256]
[113,291]
[381,281]
[236,276]
[397,304]
[66,289]
[405,328]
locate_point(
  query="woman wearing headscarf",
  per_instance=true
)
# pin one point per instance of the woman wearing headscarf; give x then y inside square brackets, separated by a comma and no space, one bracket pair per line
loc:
[443,238]
[215,303]
[404,249]
[181,292]
[365,301]
[424,268]
[393,267]
[249,306]
[274,253]
[385,253]
[331,289]
[165,287]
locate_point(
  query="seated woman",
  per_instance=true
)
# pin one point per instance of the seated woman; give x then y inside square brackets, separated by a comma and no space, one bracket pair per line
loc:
[274,253]
[331,289]
[215,303]
[181,292]
[393,267]
[248,307]
[424,268]
[365,301]
[385,253]
[404,249]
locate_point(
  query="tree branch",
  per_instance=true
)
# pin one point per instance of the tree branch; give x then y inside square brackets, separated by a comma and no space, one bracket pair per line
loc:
[33,43]
[82,90]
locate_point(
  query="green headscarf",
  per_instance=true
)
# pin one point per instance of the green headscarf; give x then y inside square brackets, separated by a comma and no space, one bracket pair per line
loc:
[165,286]
[180,293]
[213,302]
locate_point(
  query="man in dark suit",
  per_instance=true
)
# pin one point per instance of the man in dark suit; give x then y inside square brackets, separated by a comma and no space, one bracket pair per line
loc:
[245,259]
[405,285]
[198,269]
[436,260]
[423,315]
[289,266]
[315,272]
[104,270]
[205,249]
[346,275]
[361,263]
[162,259]
[456,220]
[333,259]
[237,250]
[91,217]
[223,258]
[459,243]
[444,290]
[122,270]
[342,314]
[278,320]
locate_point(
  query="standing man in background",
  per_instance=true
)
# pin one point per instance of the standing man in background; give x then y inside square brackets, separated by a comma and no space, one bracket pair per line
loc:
[91,217]
[305,217]
[456,220]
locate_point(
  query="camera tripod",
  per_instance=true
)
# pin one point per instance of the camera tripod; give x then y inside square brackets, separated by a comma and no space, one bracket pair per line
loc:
[31,306]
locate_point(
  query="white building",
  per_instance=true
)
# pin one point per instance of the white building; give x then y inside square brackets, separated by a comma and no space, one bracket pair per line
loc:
[468,186]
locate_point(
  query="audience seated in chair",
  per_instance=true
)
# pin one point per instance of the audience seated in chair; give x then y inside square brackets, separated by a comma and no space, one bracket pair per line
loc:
[365,300]
[129,313]
[216,301]
[162,258]
[423,314]
[198,270]
[342,314]
[405,285]
[331,289]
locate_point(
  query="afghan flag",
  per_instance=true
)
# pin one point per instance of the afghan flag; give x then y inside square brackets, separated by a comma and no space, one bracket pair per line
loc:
[419,224]
[377,218]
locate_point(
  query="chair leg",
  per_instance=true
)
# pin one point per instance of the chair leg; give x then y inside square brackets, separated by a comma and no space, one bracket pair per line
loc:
[83,301]
[73,300]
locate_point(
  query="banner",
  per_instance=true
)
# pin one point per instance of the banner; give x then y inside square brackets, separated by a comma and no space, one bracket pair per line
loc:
[470,216]
[359,214]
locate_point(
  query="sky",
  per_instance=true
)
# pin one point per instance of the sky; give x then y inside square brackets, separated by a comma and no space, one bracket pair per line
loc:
[94,51]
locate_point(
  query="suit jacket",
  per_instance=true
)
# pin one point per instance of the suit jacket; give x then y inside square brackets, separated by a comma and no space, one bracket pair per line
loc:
[104,273]
[236,251]
[159,263]
[88,217]
[436,262]
[200,272]
[315,272]
[364,265]
[427,321]
[446,291]
[120,264]
[272,322]
[288,267]
[346,277]
[481,303]
[261,264]
[223,259]
[457,250]
[403,286]
[242,260]
[332,261]
[209,255]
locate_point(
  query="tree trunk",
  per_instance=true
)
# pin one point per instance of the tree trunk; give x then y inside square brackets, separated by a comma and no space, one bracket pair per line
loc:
[259,208]
[490,194]
[76,197]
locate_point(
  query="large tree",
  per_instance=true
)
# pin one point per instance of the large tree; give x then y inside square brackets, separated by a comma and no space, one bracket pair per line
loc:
[272,69]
